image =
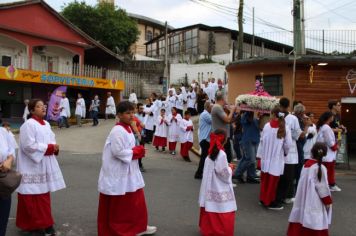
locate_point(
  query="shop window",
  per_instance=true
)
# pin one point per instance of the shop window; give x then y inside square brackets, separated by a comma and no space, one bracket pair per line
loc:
[5,60]
[273,84]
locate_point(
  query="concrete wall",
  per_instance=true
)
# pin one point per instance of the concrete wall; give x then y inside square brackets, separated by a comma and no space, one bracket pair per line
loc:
[178,72]
[223,42]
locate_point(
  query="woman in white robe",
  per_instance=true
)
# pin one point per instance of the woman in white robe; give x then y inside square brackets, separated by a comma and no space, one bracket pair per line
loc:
[161,133]
[216,198]
[80,110]
[174,120]
[37,162]
[327,136]
[274,147]
[311,213]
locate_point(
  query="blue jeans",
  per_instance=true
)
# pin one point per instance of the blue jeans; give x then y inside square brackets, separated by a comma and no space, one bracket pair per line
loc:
[5,205]
[95,117]
[248,160]
[237,149]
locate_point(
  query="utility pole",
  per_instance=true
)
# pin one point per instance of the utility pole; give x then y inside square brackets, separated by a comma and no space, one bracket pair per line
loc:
[241,31]
[253,33]
[298,27]
[165,73]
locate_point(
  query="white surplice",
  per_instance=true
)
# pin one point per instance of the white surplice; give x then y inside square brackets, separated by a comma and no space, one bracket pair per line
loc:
[26,112]
[186,136]
[110,106]
[156,110]
[6,148]
[327,136]
[162,127]
[173,128]
[292,124]
[180,101]
[191,99]
[272,150]
[216,191]
[40,173]
[65,108]
[119,174]
[308,209]
[149,119]
[80,109]
[310,142]
[133,98]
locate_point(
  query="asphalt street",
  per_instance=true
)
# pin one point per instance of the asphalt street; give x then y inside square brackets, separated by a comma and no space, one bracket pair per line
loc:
[171,193]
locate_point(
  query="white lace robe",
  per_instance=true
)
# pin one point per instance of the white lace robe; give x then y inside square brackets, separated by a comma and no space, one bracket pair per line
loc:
[173,128]
[216,191]
[40,173]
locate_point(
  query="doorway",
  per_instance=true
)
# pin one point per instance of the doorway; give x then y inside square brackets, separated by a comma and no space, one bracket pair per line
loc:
[348,118]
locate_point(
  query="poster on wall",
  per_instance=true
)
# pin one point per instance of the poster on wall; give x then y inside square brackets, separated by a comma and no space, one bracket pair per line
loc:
[53,105]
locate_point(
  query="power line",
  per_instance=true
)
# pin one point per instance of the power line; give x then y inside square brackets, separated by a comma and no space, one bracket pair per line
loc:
[332,10]
[336,13]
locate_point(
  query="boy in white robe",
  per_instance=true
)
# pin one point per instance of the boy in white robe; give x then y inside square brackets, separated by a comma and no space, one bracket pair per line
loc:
[216,198]
[274,147]
[80,109]
[171,100]
[37,162]
[191,100]
[110,110]
[173,130]
[148,121]
[64,111]
[186,136]
[161,133]
[179,102]
[311,213]
[122,205]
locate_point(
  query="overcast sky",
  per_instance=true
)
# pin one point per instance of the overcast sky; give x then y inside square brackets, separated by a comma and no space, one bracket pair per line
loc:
[319,14]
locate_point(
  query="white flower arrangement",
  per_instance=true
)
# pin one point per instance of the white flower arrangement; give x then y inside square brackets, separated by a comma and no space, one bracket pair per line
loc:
[251,102]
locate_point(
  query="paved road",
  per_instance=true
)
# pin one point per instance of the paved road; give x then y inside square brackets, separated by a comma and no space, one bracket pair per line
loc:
[171,193]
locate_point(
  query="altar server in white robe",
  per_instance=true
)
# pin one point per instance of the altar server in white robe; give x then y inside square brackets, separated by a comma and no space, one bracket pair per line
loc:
[161,133]
[25,112]
[191,100]
[186,136]
[37,162]
[110,110]
[274,146]
[311,213]
[148,121]
[80,110]
[311,137]
[173,130]
[122,205]
[179,102]
[64,111]
[171,102]
[327,136]
[10,137]
[216,198]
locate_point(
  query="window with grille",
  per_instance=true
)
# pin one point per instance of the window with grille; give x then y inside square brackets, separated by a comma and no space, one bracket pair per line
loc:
[273,84]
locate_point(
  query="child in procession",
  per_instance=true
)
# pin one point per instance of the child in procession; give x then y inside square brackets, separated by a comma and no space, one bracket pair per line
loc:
[216,199]
[311,213]
[160,138]
[173,130]
[186,137]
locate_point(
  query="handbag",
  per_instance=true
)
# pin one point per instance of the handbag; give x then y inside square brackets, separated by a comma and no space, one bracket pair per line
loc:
[9,181]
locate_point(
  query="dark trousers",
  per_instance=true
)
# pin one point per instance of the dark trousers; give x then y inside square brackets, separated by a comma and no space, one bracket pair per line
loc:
[286,183]
[95,118]
[63,121]
[204,145]
[192,111]
[5,205]
[237,149]
[179,111]
[227,148]
[298,170]
[148,136]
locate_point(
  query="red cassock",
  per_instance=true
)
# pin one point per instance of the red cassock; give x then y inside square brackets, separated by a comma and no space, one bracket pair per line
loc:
[172,146]
[297,229]
[216,224]
[184,149]
[330,167]
[122,215]
[34,211]
[269,184]
[159,141]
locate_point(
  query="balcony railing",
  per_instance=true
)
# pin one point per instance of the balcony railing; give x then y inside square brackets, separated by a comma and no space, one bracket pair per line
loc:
[66,68]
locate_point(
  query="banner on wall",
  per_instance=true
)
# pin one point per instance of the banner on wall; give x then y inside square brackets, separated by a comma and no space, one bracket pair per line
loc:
[54,102]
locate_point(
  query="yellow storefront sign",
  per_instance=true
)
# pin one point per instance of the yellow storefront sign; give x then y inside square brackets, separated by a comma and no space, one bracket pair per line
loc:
[10,73]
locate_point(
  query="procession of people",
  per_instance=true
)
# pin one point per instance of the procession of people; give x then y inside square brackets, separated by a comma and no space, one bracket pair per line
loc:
[291,158]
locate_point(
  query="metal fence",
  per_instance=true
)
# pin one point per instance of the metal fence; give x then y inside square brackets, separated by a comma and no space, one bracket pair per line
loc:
[332,42]
[133,81]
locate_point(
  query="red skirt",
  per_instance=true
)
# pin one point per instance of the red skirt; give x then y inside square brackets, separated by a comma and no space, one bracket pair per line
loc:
[34,211]
[172,146]
[330,168]
[269,184]
[184,149]
[216,224]
[123,215]
[159,141]
[297,229]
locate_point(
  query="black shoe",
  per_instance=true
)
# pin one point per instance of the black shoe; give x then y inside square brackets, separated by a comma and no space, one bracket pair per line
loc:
[198,176]
[252,181]
[163,149]
[50,231]
[187,159]
[157,148]
[142,169]
[240,180]
[275,206]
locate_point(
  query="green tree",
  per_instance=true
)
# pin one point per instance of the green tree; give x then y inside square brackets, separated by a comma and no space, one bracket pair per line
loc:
[107,24]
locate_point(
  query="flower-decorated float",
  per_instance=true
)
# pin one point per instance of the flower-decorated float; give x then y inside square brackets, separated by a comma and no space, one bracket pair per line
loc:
[258,100]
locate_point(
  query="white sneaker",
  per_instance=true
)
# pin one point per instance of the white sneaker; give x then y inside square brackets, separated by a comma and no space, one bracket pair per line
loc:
[289,200]
[335,188]
[258,173]
[149,230]
[234,185]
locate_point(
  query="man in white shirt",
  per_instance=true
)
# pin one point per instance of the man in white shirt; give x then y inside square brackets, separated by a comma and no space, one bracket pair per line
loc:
[64,111]
[80,110]
[110,110]
[133,97]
